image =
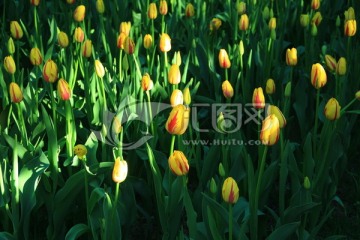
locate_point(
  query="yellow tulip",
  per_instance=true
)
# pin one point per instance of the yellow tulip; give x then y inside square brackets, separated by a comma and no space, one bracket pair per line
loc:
[304,20]
[178,120]
[163,7]
[315,4]
[99,69]
[272,109]
[146,82]
[16,94]
[227,89]
[291,57]
[35,57]
[80,151]
[174,75]
[86,48]
[176,98]
[258,99]
[317,18]
[148,41]
[9,64]
[330,63]
[63,39]
[241,7]
[270,86]
[224,60]
[187,96]
[121,40]
[63,89]
[125,28]
[152,11]
[178,163]
[230,191]
[357,95]
[79,35]
[16,30]
[11,46]
[244,22]
[129,45]
[272,23]
[270,130]
[350,28]
[120,170]
[318,76]
[215,24]
[165,43]
[100,7]
[50,71]
[35,2]
[189,10]
[79,13]
[332,109]
[341,66]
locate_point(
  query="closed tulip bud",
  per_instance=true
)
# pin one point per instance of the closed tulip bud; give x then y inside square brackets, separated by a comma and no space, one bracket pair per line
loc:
[9,64]
[272,23]
[174,75]
[271,14]
[146,82]
[63,89]
[176,98]
[148,41]
[318,76]
[79,35]
[129,45]
[224,60]
[80,151]
[79,13]
[70,1]
[291,57]
[244,22]
[270,86]
[304,20]
[35,2]
[330,62]
[241,8]
[357,95]
[178,120]
[350,28]
[307,184]
[99,69]
[230,191]
[63,39]
[315,4]
[338,21]
[349,14]
[86,48]
[16,30]
[221,170]
[258,98]
[332,109]
[266,13]
[165,42]
[35,57]
[121,40]
[270,130]
[317,18]
[125,28]
[189,10]
[313,30]
[50,71]
[272,109]
[177,58]
[16,94]
[163,7]
[341,66]
[215,24]
[120,170]
[178,163]
[11,46]
[213,187]
[100,7]
[287,92]
[241,48]
[152,11]
[227,89]
[116,125]
[187,96]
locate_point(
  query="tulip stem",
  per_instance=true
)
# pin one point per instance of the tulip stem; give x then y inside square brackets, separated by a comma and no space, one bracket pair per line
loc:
[86,185]
[117,187]
[150,112]
[342,111]
[120,65]
[165,68]
[172,144]
[21,123]
[15,190]
[230,222]
[53,107]
[282,180]
[316,118]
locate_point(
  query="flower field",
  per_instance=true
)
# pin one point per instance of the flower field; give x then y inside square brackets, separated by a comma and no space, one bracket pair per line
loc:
[179,119]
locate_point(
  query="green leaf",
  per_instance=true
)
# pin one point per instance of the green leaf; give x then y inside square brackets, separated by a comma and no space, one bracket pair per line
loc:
[6,236]
[295,212]
[213,225]
[284,232]
[76,231]
[191,215]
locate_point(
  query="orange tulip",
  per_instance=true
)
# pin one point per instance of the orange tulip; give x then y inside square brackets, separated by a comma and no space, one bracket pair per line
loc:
[258,98]
[227,89]
[224,60]
[63,89]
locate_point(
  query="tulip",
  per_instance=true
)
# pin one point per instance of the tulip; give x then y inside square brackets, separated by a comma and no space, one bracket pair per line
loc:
[266,13]
[270,86]
[350,28]
[165,42]
[272,109]
[189,10]
[349,14]
[163,7]
[241,8]
[16,94]
[129,45]
[313,30]
[79,13]
[146,82]
[330,63]
[272,23]
[50,71]
[270,130]
[174,75]
[230,191]
[341,66]
[100,7]
[99,69]
[307,183]
[125,28]
[63,39]
[213,187]
[304,20]
[332,109]
[258,98]
[152,11]
[338,21]
[224,60]
[221,169]
[244,22]
[178,120]
[120,170]
[86,48]
[177,58]
[178,163]
[176,98]
[80,151]
[16,30]
[11,46]
[318,76]
[63,89]
[227,89]
[357,95]
[315,4]
[287,91]
[291,57]
[35,57]
[9,64]
[317,18]
[148,41]
[70,1]
[121,40]
[79,35]
[35,2]
[187,96]
[215,24]
[116,125]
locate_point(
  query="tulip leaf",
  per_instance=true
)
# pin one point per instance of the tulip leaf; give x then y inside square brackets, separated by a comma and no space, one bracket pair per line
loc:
[6,236]
[191,215]
[211,162]
[294,213]
[76,231]
[284,232]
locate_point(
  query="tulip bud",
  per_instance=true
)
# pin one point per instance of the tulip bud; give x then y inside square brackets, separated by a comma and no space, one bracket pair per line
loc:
[215,24]
[79,13]
[221,123]
[79,35]
[174,75]
[177,58]
[146,82]
[341,66]
[276,111]
[330,63]
[244,22]
[165,43]
[291,57]
[70,1]
[11,46]
[148,41]
[63,39]
[230,191]
[35,2]
[266,13]
[86,48]
[121,40]
[271,14]
[16,94]
[273,34]
[187,96]
[272,23]
[313,30]
[224,60]
[80,151]
[129,45]
[125,28]
[178,120]
[241,8]
[270,86]
[16,30]
[178,163]
[189,10]
[241,48]
[116,125]
[213,187]
[258,98]
[50,71]
[307,183]
[100,7]
[357,95]
[227,89]
[315,4]
[125,63]
[152,11]
[304,20]
[288,90]
[270,130]
[318,76]
[63,89]
[221,170]
[349,14]
[99,69]
[163,7]
[176,98]
[120,170]
[350,28]
[332,109]
[317,18]
[9,64]
[35,57]
[338,21]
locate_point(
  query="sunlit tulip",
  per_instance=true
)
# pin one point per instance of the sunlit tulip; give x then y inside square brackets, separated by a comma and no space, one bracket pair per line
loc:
[224,60]
[79,13]
[152,11]
[241,8]
[16,30]
[146,82]
[148,41]
[174,75]
[341,66]
[63,39]
[215,24]
[50,71]
[272,23]
[178,120]
[129,45]
[11,46]
[80,151]
[270,86]
[291,57]
[330,62]
[227,89]
[121,40]
[79,35]
[125,27]
[230,191]
[318,76]
[163,7]
[187,96]
[244,22]
[16,94]
[165,42]
[86,48]
[270,130]
[178,163]
[99,69]
[176,98]
[332,109]
[9,64]
[120,170]
[35,57]
[350,28]
[315,4]
[189,10]
[304,20]
[272,109]
[63,90]
[258,99]
[100,7]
